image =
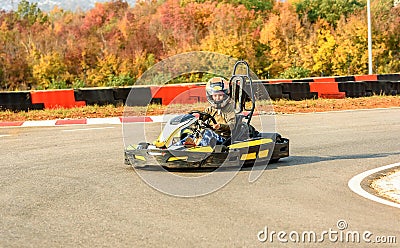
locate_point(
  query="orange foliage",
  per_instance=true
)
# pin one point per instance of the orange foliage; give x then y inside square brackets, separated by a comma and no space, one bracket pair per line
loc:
[114,40]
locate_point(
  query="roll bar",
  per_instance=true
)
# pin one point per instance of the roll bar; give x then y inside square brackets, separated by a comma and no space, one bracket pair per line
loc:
[242,90]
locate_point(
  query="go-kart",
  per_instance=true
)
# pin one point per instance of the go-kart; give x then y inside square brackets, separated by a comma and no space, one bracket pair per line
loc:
[245,147]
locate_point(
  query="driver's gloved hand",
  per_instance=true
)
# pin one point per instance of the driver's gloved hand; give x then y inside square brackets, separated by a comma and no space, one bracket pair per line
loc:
[216,126]
[189,142]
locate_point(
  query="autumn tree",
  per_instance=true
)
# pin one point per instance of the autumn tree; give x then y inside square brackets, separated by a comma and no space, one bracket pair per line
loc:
[386,36]
[114,44]
[324,54]
[351,54]
[13,66]
[284,37]
[231,32]
[49,70]
[256,5]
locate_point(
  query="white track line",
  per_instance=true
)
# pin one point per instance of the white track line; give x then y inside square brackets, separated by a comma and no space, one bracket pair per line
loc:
[111,120]
[46,123]
[6,135]
[355,185]
[86,129]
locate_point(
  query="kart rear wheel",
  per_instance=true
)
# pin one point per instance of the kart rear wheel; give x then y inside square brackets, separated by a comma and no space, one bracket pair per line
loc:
[273,161]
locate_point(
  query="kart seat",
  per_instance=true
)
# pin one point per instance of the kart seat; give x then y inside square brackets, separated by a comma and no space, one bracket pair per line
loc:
[243,130]
[240,131]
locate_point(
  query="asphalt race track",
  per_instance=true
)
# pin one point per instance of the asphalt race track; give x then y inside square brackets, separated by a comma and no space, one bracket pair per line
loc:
[68,187]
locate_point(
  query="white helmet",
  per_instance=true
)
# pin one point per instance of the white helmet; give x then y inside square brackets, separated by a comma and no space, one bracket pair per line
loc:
[217,85]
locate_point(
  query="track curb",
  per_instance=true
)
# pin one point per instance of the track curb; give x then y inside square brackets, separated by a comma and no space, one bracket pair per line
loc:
[355,184]
[140,119]
[83,121]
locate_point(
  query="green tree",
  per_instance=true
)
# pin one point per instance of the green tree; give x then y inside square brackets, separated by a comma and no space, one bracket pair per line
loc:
[295,72]
[257,5]
[330,10]
[30,12]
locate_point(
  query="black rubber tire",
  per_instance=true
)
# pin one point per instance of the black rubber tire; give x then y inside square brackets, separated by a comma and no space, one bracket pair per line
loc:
[273,161]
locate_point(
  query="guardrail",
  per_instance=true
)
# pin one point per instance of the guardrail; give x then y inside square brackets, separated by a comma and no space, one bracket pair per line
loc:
[296,89]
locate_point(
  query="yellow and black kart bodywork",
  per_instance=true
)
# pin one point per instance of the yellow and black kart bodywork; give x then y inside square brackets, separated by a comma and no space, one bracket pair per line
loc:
[264,149]
[168,151]
[246,146]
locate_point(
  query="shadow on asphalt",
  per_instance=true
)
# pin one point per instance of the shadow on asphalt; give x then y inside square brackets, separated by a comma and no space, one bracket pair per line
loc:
[290,161]
[212,169]
[300,160]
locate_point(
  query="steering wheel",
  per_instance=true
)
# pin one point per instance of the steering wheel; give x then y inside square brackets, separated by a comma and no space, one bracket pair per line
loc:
[205,118]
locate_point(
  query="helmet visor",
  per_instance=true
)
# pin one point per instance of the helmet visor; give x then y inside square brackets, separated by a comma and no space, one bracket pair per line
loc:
[216,88]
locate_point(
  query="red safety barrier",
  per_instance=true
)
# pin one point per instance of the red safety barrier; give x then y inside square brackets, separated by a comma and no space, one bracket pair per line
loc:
[327,90]
[182,94]
[56,98]
[373,77]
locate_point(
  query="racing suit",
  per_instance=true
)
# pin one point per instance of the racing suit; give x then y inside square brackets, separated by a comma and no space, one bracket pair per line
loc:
[225,117]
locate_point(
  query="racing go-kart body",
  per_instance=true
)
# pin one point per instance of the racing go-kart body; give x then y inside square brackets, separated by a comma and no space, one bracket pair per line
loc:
[246,146]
